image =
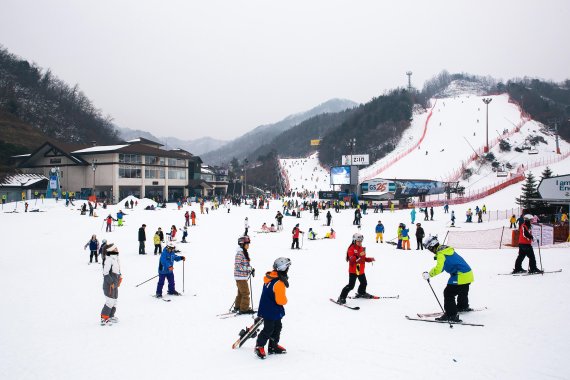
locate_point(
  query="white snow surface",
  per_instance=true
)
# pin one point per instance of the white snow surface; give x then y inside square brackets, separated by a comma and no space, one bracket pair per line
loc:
[52,298]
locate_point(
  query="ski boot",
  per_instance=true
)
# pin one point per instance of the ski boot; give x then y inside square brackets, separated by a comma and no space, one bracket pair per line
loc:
[515,271]
[113,319]
[260,352]
[276,349]
[535,271]
[174,293]
[364,295]
[464,309]
[248,311]
[105,322]
[449,318]
[341,301]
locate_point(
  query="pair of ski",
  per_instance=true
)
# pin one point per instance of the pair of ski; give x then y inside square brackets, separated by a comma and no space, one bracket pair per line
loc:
[248,332]
[231,314]
[529,274]
[358,307]
[424,318]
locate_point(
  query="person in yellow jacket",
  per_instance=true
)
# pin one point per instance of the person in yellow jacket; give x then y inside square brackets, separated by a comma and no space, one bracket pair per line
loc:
[458,284]
[157,243]
[513,221]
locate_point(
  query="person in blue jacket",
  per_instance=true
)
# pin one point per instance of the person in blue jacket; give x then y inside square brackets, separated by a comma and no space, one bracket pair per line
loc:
[458,284]
[93,245]
[380,232]
[166,269]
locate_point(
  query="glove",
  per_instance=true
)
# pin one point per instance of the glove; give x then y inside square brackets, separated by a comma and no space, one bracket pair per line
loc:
[372,259]
[183,258]
[171,268]
[252,272]
[426,276]
[120,280]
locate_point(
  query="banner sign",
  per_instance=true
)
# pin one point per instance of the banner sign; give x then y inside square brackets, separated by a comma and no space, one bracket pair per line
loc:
[555,187]
[357,159]
[315,142]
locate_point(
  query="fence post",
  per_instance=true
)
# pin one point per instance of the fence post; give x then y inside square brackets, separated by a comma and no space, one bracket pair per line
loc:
[501,241]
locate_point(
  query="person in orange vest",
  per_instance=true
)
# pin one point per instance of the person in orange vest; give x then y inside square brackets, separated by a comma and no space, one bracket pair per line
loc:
[525,247]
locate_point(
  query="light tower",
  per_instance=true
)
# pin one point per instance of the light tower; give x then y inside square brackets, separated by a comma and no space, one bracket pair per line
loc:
[409,74]
[487,101]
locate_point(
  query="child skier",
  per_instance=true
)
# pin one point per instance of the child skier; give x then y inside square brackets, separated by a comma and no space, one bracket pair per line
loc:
[312,235]
[242,272]
[184,235]
[458,284]
[380,232]
[111,281]
[356,257]
[166,270]
[93,244]
[156,240]
[296,231]
[273,298]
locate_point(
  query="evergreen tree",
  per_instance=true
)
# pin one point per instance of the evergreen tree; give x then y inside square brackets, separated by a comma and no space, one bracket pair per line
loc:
[547,173]
[529,191]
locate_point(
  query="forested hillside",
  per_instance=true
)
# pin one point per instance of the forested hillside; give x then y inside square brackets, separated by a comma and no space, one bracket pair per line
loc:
[38,98]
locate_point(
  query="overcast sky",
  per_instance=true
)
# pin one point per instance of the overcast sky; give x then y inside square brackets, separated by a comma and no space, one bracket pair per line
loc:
[220,68]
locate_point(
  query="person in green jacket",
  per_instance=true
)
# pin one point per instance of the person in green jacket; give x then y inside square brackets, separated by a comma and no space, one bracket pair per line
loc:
[458,284]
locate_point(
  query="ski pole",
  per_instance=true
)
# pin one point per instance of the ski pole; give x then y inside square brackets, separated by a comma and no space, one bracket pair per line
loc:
[251,293]
[183,261]
[539,255]
[435,295]
[144,282]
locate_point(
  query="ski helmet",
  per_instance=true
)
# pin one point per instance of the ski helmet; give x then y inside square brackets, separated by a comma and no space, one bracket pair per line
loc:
[243,240]
[357,237]
[282,264]
[430,242]
[528,217]
[170,245]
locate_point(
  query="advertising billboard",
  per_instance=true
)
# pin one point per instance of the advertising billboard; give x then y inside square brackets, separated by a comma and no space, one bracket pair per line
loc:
[357,159]
[340,175]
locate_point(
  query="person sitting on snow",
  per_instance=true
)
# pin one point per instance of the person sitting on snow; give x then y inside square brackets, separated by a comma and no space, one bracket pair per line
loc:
[312,235]
[264,228]
[272,228]
[331,234]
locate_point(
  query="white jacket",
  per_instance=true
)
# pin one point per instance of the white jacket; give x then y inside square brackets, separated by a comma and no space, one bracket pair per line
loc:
[112,265]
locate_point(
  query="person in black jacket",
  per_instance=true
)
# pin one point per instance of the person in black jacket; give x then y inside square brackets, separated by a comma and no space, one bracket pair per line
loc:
[419,236]
[142,239]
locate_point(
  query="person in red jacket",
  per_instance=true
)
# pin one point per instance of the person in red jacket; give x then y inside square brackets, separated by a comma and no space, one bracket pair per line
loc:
[296,231]
[525,247]
[356,257]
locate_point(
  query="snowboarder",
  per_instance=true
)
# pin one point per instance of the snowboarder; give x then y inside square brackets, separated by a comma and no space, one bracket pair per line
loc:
[356,258]
[111,281]
[242,272]
[93,245]
[296,231]
[525,247]
[419,236]
[380,232]
[166,269]
[458,284]
[273,298]
[142,239]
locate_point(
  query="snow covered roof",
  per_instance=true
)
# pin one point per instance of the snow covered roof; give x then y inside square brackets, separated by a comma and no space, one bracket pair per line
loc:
[98,149]
[22,180]
[142,140]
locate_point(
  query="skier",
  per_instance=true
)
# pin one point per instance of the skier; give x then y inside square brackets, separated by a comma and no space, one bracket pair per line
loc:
[312,235]
[186,219]
[109,220]
[120,215]
[458,284]
[273,298]
[166,269]
[142,239]
[329,218]
[513,222]
[399,234]
[315,213]
[193,216]
[111,281]
[357,217]
[242,272]
[431,212]
[405,233]
[279,218]
[156,240]
[103,250]
[525,247]
[296,231]
[426,214]
[184,235]
[93,244]
[356,257]
[419,236]
[413,215]
[452,218]
[246,226]
[380,232]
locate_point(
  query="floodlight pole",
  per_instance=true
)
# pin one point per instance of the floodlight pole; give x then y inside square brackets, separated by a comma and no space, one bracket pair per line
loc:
[94,167]
[487,101]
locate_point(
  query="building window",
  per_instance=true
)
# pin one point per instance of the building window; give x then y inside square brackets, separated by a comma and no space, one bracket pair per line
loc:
[129,171]
[130,159]
[154,160]
[176,173]
[153,172]
[176,162]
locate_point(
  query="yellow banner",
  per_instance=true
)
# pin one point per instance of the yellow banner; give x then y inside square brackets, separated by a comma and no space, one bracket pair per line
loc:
[315,142]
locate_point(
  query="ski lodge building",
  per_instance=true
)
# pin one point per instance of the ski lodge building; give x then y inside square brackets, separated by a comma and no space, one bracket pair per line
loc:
[138,167]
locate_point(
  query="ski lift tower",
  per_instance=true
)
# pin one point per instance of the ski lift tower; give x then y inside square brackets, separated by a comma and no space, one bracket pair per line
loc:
[487,101]
[409,74]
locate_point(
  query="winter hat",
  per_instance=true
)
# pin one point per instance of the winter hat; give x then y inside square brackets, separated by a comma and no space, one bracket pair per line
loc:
[112,249]
[104,241]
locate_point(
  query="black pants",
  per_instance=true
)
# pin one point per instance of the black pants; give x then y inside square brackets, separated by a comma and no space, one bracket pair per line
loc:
[271,331]
[449,294]
[525,250]
[141,248]
[245,232]
[328,222]
[352,282]
[419,242]
[93,255]
[295,243]
[157,248]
